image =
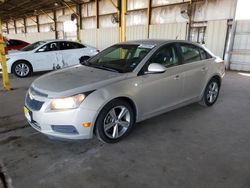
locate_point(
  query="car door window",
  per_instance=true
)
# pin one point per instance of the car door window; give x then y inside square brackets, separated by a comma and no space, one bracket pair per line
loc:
[190,53]
[78,45]
[204,54]
[67,46]
[166,56]
[53,46]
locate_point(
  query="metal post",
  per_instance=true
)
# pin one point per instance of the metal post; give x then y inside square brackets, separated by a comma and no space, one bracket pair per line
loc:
[190,9]
[55,24]
[97,23]
[25,25]
[123,20]
[38,25]
[5,75]
[148,17]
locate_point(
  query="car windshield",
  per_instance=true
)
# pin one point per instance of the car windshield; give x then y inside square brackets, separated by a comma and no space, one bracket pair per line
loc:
[33,46]
[120,58]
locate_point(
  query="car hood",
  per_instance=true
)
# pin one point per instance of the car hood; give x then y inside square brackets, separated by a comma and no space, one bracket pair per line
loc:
[73,80]
[17,53]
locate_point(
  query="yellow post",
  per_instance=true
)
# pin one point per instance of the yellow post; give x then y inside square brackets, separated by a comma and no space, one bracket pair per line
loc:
[5,75]
[123,20]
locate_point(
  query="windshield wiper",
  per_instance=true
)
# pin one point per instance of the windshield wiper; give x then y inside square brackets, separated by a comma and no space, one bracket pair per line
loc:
[104,67]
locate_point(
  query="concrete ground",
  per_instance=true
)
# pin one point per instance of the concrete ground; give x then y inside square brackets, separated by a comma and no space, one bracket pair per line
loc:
[190,147]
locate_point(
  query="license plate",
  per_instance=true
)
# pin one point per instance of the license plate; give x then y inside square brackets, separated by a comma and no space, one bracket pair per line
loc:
[27,113]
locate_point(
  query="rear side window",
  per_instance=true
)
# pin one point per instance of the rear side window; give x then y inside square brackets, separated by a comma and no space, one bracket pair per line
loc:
[204,54]
[67,45]
[78,45]
[190,53]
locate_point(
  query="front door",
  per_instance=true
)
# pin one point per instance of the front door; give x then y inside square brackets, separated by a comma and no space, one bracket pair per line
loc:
[161,91]
[46,57]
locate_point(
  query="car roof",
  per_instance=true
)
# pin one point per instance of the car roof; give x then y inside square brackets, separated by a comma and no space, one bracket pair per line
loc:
[156,42]
[57,40]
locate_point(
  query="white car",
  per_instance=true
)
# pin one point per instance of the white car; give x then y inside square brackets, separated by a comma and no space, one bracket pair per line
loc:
[47,55]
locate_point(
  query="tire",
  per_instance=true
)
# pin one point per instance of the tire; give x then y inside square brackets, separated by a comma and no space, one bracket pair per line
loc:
[109,127]
[22,69]
[211,93]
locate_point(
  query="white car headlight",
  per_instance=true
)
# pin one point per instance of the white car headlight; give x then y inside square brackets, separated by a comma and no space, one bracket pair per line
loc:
[67,103]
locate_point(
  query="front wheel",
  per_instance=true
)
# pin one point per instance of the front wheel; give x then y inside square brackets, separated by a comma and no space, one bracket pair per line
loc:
[115,121]
[211,93]
[21,69]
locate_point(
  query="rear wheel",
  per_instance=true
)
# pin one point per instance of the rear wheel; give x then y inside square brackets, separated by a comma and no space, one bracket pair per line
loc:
[211,93]
[115,121]
[22,69]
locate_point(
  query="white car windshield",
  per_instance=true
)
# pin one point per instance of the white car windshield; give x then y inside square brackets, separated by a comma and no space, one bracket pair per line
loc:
[119,58]
[33,46]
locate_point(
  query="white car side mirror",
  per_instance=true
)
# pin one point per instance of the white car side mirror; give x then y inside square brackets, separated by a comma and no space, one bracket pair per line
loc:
[41,50]
[154,68]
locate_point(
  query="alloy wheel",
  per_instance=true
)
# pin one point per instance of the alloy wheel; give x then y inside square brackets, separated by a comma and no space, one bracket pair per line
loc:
[116,122]
[213,90]
[22,69]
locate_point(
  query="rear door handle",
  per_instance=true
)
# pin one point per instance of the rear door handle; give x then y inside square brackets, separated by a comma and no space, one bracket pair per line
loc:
[177,77]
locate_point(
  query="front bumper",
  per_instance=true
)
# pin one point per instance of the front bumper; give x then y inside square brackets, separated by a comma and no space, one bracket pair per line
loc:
[66,124]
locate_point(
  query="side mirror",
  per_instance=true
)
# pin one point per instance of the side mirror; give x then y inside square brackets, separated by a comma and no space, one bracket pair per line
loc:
[155,68]
[83,59]
[41,50]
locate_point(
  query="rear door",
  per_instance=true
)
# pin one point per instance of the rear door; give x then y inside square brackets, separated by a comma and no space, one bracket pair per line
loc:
[71,52]
[161,91]
[195,70]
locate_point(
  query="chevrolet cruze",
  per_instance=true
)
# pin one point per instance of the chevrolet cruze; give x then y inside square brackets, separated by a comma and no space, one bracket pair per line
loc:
[124,84]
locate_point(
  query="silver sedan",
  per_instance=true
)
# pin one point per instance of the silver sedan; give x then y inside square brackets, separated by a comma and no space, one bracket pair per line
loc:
[124,84]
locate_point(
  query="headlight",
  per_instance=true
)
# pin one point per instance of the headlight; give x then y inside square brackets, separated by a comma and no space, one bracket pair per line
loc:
[67,103]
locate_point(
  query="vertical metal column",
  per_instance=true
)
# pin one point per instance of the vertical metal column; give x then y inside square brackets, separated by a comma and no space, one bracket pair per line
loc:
[123,20]
[5,75]
[148,17]
[97,23]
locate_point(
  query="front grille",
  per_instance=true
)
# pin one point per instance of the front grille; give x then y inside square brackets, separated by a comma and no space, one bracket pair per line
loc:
[33,104]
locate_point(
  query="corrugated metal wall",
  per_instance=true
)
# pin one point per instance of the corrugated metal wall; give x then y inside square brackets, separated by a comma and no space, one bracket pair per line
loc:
[107,37]
[166,23]
[135,32]
[33,37]
[240,59]
[168,31]
[88,36]
[216,36]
